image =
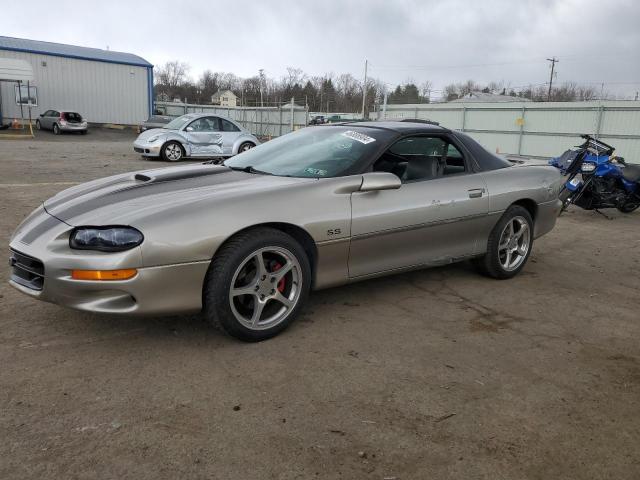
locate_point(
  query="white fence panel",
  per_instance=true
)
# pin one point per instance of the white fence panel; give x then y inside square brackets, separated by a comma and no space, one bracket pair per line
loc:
[534,129]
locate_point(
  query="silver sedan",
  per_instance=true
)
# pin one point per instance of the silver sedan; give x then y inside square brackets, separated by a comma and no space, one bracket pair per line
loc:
[195,135]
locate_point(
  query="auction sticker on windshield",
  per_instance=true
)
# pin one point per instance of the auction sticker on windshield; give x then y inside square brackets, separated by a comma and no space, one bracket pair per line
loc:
[360,137]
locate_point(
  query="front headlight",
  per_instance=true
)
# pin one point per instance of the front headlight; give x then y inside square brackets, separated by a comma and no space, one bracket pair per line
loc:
[105,239]
[153,139]
[588,167]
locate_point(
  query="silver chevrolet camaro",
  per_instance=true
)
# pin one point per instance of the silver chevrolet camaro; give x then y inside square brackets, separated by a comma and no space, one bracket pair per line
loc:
[195,135]
[244,242]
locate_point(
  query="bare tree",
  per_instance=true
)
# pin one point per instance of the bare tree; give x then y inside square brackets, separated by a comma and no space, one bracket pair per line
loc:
[294,76]
[468,87]
[587,93]
[172,74]
[451,92]
[425,90]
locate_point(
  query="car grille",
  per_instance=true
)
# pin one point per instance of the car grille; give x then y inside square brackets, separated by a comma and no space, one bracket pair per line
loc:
[26,271]
[138,149]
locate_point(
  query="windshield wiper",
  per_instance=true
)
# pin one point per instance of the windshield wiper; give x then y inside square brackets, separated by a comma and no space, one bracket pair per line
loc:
[249,169]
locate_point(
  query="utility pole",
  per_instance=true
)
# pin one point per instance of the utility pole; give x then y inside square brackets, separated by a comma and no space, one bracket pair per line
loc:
[261,71]
[364,88]
[384,105]
[553,61]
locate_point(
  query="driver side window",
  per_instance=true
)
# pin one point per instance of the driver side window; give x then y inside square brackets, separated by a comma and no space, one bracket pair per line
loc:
[420,158]
[204,124]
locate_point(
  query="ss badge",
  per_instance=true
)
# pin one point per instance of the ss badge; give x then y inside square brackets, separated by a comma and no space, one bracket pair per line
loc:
[334,231]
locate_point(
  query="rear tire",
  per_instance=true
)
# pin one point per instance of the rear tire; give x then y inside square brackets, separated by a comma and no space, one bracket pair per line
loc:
[56,129]
[245,146]
[628,207]
[509,244]
[251,301]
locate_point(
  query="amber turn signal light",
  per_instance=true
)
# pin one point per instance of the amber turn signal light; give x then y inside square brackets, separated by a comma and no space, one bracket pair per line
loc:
[104,274]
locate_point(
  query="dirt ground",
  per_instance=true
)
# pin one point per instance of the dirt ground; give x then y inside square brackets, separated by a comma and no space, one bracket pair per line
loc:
[434,374]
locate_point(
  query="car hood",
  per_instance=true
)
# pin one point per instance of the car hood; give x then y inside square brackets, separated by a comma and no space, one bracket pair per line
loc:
[129,198]
[152,132]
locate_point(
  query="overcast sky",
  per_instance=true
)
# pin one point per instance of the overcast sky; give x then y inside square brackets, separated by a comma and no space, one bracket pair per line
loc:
[437,40]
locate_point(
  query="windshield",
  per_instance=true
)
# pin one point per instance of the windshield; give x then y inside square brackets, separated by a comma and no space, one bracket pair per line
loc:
[314,152]
[178,123]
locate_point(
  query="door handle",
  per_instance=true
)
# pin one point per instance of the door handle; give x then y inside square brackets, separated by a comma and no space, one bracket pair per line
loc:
[476,192]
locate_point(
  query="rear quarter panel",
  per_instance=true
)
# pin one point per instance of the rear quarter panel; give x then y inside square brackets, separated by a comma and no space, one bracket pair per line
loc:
[243,137]
[537,183]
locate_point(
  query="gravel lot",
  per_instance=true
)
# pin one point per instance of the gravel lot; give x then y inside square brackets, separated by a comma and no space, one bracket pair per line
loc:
[432,374]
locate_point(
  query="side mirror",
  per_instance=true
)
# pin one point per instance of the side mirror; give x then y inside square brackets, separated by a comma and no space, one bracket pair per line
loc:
[375,181]
[42,114]
[189,129]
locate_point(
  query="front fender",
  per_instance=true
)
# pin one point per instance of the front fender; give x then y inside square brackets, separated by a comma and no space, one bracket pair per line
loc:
[180,139]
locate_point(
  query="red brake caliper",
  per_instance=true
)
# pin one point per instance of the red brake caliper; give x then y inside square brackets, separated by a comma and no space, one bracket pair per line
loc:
[277,266]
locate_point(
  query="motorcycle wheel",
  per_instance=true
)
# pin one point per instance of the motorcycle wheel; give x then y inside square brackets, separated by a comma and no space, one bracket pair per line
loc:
[628,207]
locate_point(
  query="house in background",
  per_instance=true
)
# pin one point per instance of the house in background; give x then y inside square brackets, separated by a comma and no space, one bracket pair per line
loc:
[225,98]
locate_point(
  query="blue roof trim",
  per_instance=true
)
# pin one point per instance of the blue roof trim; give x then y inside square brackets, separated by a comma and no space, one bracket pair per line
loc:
[77,57]
[71,51]
[150,89]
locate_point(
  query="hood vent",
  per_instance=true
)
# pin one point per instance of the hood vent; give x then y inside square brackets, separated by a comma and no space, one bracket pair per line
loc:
[179,173]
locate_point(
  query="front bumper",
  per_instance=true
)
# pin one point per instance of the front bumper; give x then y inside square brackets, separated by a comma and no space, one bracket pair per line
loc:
[147,149]
[155,290]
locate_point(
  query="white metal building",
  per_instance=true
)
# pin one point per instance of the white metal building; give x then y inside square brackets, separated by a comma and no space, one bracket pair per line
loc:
[102,85]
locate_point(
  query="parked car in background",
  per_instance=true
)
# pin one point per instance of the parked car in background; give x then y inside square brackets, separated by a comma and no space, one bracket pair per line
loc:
[155,121]
[317,120]
[59,121]
[342,119]
[195,135]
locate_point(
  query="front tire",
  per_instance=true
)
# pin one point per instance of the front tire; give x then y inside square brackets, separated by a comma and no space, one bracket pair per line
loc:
[257,284]
[56,129]
[38,126]
[172,152]
[509,244]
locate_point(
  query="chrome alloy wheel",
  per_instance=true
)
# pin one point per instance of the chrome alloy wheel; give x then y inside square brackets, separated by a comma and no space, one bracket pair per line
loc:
[265,288]
[246,146]
[173,152]
[515,241]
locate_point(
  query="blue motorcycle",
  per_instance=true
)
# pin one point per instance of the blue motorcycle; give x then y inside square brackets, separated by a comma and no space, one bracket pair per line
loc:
[597,179]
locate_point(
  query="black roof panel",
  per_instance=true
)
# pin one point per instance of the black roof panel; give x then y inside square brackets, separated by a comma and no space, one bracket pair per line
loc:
[400,127]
